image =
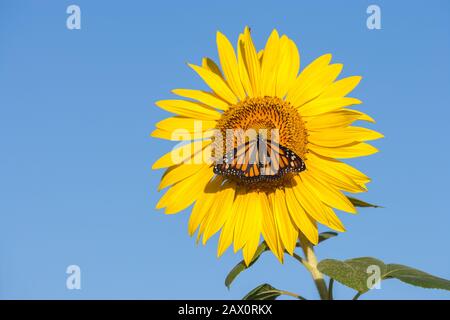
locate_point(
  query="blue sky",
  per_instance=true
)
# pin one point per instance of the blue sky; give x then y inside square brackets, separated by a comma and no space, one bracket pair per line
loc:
[76,113]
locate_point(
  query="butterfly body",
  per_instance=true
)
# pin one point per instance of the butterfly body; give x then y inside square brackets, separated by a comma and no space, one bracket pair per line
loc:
[259,160]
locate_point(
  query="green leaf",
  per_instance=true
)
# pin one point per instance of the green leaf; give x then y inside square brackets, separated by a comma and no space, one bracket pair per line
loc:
[416,277]
[327,235]
[353,273]
[263,292]
[358,274]
[234,273]
[363,204]
[241,266]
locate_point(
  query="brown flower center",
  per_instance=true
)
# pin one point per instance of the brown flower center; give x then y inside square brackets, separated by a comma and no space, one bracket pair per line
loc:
[252,122]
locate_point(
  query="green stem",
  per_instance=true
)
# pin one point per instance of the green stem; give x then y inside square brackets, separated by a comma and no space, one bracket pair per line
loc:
[288,293]
[330,289]
[311,259]
[357,296]
[302,261]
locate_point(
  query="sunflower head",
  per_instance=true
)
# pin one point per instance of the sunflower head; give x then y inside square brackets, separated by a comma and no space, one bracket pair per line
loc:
[260,148]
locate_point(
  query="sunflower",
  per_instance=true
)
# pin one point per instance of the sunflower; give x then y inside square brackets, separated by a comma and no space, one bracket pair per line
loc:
[264,90]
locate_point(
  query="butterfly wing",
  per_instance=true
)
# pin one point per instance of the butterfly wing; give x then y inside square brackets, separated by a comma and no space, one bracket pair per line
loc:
[259,160]
[282,160]
[290,161]
[242,161]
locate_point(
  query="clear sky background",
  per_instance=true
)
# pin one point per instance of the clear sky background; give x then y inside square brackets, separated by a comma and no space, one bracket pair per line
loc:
[77,108]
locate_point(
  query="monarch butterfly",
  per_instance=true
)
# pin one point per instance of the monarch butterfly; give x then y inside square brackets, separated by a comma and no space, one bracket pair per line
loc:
[259,159]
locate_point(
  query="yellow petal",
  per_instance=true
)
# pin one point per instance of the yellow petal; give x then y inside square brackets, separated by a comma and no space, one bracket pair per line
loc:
[221,211]
[248,251]
[288,233]
[229,65]
[269,66]
[189,124]
[181,128]
[227,233]
[319,106]
[326,170]
[254,232]
[361,116]
[226,237]
[178,135]
[270,229]
[243,73]
[327,193]
[177,173]
[341,136]
[243,222]
[333,221]
[210,65]
[260,56]
[317,85]
[185,192]
[313,205]
[302,220]
[309,201]
[341,87]
[216,83]
[338,166]
[289,66]
[207,98]
[252,63]
[311,72]
[189,109]
[182,134]
[194,152]
[206,199]
[335,119]
[358,149]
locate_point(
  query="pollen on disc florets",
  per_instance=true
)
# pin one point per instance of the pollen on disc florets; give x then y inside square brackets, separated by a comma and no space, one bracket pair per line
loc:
[267,113]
